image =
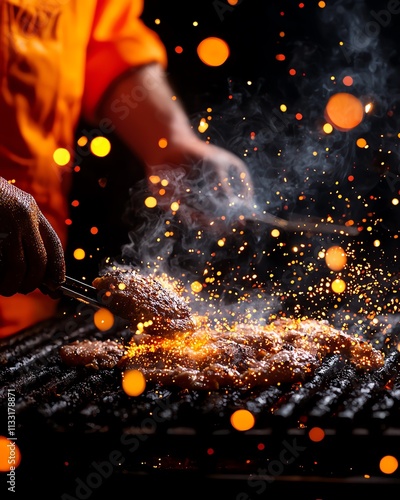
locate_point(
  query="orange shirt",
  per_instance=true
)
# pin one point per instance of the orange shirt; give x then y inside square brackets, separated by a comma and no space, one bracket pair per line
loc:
[57,58]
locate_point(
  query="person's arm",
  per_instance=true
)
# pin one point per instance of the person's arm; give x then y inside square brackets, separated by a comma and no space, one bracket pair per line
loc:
[143,112]
[31,254]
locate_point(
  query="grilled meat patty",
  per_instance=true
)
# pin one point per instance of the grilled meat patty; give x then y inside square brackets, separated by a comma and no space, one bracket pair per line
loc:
[97,354]
[145,302]
[246,356]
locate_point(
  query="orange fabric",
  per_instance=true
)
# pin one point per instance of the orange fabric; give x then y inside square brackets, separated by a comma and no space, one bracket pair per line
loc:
[131,44]
[22,311]
[57,59]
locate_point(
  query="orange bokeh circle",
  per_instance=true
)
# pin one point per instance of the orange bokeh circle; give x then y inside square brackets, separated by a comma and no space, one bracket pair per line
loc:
[10,455]
[213,51]
[344,111]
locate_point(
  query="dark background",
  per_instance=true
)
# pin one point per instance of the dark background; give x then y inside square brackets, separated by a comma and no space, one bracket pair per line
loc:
[283,159]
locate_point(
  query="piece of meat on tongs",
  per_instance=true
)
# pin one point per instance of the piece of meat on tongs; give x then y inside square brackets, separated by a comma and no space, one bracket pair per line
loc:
[148,305]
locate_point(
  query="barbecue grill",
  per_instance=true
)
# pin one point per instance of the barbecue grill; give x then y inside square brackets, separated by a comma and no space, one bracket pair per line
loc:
[81,436]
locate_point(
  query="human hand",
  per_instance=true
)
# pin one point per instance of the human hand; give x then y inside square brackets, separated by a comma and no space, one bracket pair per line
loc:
[210,184]
[31,253]
[207,181]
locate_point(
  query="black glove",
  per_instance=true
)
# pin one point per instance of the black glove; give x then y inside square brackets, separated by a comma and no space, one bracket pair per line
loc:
[31,253]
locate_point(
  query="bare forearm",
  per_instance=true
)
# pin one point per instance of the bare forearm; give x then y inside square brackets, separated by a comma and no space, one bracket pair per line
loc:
[143,111]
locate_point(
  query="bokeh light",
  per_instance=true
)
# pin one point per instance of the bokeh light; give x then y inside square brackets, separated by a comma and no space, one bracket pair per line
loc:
[175,206]
[61,156]
[133,382]
[348,81]
[344,111]
[100,146]
[388,464]
[196,286]
[103,319]
[361,142]
[82,141]
[79,254]
[327,128]
[10,455]
[213,51]
[338,285]
[150,202]
[203,126]
[242,420]
[335,258]
[316,434]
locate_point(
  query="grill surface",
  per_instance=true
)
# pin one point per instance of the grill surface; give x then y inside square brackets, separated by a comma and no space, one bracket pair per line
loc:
[70,419]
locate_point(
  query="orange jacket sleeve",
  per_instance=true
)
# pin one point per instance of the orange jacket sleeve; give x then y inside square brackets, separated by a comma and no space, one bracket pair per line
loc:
[119,40]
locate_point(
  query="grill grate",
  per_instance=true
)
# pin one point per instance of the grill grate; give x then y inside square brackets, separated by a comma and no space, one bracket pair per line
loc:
[32,367]
[72,409]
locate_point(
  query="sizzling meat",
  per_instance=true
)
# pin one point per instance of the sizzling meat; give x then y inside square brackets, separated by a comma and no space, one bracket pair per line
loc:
[285,351]
[98,354]
[148,305]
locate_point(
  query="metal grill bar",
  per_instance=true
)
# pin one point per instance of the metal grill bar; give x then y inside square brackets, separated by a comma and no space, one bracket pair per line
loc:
[307,391]
[369,388]
[31,365]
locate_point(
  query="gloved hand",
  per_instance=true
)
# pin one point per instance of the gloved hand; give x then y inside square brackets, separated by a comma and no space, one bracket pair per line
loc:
[31,253]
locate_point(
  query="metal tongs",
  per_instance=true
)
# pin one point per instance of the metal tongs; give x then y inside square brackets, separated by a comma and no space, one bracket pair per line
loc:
[81,291]
[243,212]
[303,223]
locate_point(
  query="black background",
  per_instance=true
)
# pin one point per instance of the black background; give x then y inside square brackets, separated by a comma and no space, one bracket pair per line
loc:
[311,46]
